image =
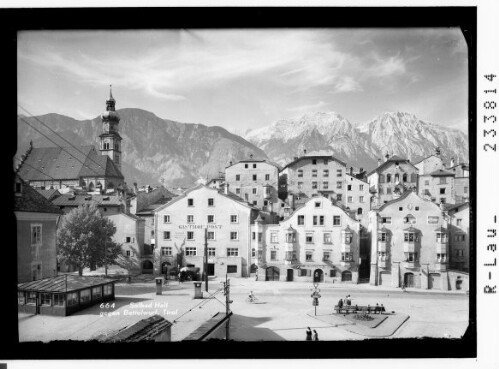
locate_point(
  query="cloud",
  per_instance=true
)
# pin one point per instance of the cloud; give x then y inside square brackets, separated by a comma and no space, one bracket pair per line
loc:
[346,84]
[310,107]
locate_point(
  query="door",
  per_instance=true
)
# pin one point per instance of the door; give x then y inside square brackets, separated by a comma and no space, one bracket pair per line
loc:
[318,276]
[147,267]
[290,275]
[434,281]
[409,279]
[211,269]
[272,274]
[385,279]
[346,276]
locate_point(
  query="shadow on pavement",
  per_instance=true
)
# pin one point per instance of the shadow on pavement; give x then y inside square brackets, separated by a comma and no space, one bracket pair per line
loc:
[245,328]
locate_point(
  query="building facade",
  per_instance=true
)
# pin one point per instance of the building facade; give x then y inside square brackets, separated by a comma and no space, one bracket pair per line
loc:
[358,198]
[460,236]
[318,242]
[37,221]
[461,181]
[200,215]
[391,178]
[430,163]
[255,181]
[410,244]
[110,139]
[438,186]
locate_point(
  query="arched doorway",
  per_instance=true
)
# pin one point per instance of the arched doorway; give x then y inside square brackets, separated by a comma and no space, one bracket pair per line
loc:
[147,267]
[346,276]
[253,268]
[272,274]
[318,276]
[289,276]
[409,279]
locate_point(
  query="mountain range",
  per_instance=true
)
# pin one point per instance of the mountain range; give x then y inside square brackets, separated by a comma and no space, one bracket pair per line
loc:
[179,154]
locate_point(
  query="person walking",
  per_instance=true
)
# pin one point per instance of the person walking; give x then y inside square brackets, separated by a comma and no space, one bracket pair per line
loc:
[316,336]
[309,334]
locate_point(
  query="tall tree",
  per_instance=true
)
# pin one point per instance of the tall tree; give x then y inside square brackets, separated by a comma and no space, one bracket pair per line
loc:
[84,239]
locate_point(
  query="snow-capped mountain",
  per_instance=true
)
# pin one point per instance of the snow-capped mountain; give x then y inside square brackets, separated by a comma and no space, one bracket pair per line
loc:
[397,133]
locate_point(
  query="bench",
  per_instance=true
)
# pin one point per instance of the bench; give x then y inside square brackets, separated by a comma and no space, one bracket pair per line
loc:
[359,308]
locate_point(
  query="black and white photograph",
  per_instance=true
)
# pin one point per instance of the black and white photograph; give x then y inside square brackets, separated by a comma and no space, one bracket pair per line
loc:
[247,183]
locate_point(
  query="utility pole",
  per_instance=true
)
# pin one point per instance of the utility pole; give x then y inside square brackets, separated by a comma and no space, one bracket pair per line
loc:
[227,306]
[206,258]
[105,253]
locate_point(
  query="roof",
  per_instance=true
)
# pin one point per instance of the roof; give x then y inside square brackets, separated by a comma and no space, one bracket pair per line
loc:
[63,283]
[451,207]
[403,196]
[388,162]
[255,161]
[66,163]
[77,200]
[331,157]
[31,201]
[411,229]
[357,178]
[143,330]
[48,194]
[441,229]
[441,173]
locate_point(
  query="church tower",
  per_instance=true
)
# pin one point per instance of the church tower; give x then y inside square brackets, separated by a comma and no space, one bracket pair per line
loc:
[110,139]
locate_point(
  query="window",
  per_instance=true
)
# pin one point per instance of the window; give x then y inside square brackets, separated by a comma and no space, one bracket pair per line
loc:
[36,234]
[314,172]
[31,298]
[337,220]
[465,190]
[211,251]
[347,256]
[108,289]
[433,219]
[338,173]
[350,199]
[441,237]
[290,237]
[85,296]
[443,180]
[417,208]
[349,187]
[166,219]
[325,161]
[401,208]
[254,191]
[231,268]
[210,235]
[273,237]
[327,238]
[166,235]
[254,166]
[321,220]
[301,219]
[127,253]
[309,256]
[72,298]
[190,202]
[309,238]
[325,185]
[238,191]
[238,177]
[325,173]
[273,255]
[267,177]
[359,211]
[300,172]
[246,166]
[190,219]
[411,256]
[191,251]
[318,204]
[314,185]
[380,190]
[361,198]
[382,236]
[211,202]
[211,219]
[46,299]
[348,238]
[426,182]
[190,235]
[314,161]
[233,218]
[254,177]
[59,299]
[338,184]
[21,299]
[361,187]
[326,256]
[386,220]
[303,272]
[339,197]
[442,200]
[459,253]
[234,236]
[404,177]
[410,237]
[459,222]
[388,191]
[300,185]
[232,252]
[388,178]
[442,191]
[255,202]
[128,239]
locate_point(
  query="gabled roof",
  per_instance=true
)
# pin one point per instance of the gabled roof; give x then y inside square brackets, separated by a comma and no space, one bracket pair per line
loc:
[143,330]
[411,229]
[388,162]
[48,194]
[456,207]
[46,163]
[306,157]
[63,283]
[441,173]
[77,200]
[441,229]
[403,196]
[29,200]
[255,161]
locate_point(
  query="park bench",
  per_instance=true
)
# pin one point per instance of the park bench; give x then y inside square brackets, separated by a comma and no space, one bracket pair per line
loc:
[360,308]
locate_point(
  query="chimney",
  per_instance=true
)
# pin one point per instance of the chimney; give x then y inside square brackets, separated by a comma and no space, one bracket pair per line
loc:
[387,156]
[361,170]
[304,151]
[226,189]
[452,162]
[379,162]
[351,171]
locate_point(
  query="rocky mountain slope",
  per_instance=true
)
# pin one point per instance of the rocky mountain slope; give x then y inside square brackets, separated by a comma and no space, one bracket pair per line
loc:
[154,149]
[398,133]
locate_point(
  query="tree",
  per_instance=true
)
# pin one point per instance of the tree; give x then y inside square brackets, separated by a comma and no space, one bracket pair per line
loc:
[85,236]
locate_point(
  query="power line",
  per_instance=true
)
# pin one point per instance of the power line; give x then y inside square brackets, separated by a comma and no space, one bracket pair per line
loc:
[15,157]
[201,303]
[58,135]
[55,143]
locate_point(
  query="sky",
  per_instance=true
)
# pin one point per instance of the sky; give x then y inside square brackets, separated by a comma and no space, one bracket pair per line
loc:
[243,79]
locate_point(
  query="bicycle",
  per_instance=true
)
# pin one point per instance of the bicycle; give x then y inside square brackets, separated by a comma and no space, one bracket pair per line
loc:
[251,299]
